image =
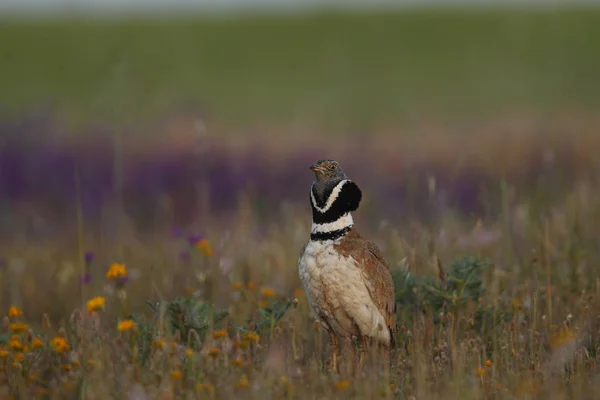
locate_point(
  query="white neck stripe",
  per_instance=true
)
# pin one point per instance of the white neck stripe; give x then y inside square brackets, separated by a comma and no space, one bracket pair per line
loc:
[345,221]
[332,197]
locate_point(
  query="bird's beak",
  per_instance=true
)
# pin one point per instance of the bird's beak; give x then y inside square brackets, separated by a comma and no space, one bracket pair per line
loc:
[314,168]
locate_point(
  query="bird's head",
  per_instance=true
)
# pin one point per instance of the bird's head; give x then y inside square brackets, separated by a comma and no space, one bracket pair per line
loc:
[326,170]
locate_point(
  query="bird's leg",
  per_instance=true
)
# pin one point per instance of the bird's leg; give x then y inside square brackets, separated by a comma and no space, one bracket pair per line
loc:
[334,346]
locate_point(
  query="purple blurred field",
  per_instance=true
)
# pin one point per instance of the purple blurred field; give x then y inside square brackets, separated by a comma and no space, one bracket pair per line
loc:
[202,178]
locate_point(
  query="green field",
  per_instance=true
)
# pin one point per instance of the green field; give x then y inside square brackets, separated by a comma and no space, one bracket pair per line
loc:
[330,69]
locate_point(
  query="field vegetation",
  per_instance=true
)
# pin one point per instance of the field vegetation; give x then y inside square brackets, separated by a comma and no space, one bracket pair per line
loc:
[148,247]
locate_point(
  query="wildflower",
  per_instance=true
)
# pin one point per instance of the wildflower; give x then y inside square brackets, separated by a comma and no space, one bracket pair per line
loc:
[18,327]
[59,344]
[126,325]
[85,279]
[91,363]
[251,285]
[159,343]
[36,343]
[298,293]
[252,336]
[19,357]
[116,271]
[95,304]
[189,352]
[243,383]
[214,352]
[205,387]
[88,257]
[14,312]
[342,385]
[560,338]
[237,286]
[15,343]
[204,246]
[480,372]
[176,374]
[238,362]
[219,334]
[67,367]
[268,292]
[3,353]
[242,344]
[488,363]
[263,304]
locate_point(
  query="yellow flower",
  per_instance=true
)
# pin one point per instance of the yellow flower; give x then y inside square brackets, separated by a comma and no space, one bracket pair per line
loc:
[18,327]
[268,292]
[252,336]
[159,343]
[480,372]
[36,343]
[116,271]
[189,352]
[219,334]
[3,353]
[214,352]
[176,374]
[242,344]
[342,385]
[15,343]
[95,304]
[126,325]
[14,312]
[59,344]
[243,383]
[488,363]
[205,387]
[93,363]
[204,246]
[238,362]
[560,338]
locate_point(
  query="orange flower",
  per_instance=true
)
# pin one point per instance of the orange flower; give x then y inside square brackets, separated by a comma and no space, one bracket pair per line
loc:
[214,352]
[219,334]
[176,374]
[59,344]
[252,336]
[159,343]
[189,353]
[15,343]
[342,385]
[205,387]
[268,292]
[3,353]
[18,327]
[116,271]
[126,325]
[237,286]
[204,246]
[36,344]
[242,344]
[243,383]
[95,304]
[14,312]
[238,362]
[480,372]
[488,363]
[251,285]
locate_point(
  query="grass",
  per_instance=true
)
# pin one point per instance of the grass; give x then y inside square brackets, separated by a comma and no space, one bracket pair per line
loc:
[502,307]
[164,265]
[343,70]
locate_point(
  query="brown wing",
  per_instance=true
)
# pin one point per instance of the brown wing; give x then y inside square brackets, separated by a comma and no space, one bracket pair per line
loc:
[376,275]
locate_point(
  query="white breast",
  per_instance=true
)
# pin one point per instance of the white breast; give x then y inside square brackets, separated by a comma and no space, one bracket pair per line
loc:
[337,294]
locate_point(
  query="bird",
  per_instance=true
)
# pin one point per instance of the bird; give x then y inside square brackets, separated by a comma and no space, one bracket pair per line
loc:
[346,279]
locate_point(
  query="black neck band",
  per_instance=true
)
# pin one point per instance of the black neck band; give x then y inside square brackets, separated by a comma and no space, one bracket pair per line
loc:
[332,235]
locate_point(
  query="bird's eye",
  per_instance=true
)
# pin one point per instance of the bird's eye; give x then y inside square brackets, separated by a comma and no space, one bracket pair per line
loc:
[331,166]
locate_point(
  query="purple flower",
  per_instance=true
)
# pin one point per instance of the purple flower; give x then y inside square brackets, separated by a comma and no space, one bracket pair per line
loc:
[193,239]
[88,257]
[85,279]
[177,232]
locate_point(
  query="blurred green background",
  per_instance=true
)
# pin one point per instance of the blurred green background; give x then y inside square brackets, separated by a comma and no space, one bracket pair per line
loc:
[342,70]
